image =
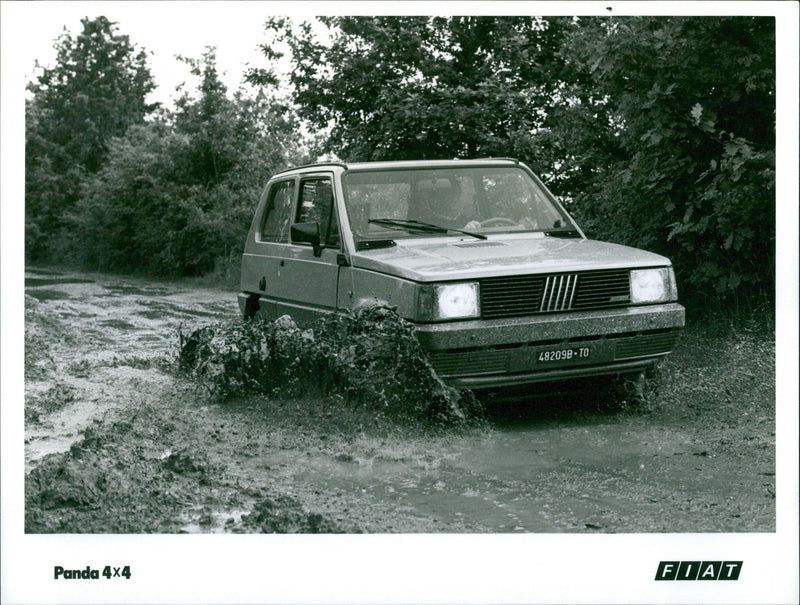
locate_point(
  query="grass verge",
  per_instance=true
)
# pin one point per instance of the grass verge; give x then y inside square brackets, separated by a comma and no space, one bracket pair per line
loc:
[719,373]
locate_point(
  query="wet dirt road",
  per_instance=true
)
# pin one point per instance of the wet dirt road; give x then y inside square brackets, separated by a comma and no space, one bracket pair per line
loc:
[97,344]
[611,477]
[100,345]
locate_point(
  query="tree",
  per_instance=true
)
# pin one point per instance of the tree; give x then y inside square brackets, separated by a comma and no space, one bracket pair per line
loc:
[208,122]
[176,195]
[682,156]
[422,87]
[96,91]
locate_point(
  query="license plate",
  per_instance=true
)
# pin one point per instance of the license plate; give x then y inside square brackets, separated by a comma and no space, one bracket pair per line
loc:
[531,359]
[565,355]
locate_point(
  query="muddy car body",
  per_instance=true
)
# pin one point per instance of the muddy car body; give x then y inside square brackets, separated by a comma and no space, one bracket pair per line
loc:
[503,286]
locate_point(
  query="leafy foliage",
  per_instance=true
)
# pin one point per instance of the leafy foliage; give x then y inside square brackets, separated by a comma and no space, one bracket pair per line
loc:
[370,357]
[421,87]
[176,195]
[96,90]
[685,156]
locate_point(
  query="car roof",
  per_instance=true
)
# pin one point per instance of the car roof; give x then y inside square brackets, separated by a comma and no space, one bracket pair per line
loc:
[400,165]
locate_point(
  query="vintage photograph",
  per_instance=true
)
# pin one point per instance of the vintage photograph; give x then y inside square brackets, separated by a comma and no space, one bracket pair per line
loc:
[398,274]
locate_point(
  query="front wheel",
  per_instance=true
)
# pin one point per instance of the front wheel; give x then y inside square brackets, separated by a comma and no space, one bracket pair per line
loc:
[251,306]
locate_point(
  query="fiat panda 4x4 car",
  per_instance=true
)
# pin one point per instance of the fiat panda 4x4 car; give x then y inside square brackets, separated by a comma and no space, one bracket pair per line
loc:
[502,285]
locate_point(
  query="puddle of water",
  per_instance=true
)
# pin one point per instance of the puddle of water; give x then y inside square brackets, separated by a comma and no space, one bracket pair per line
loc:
[138,290]
[37,271]
[151,338]
[527,479]
[200,313]
[448,495]
[155,314]
[60,430]
[118,324]
[520,452]
[42,281]
[96,398]
[44,295]
[157,310]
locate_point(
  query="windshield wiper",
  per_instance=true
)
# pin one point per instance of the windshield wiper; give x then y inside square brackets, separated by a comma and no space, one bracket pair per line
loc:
[420,226]
[562,233]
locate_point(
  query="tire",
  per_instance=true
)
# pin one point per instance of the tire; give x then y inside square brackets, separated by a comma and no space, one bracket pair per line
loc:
[251,306]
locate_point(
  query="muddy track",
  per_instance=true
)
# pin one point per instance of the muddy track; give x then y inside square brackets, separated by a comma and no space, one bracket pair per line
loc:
[118,441]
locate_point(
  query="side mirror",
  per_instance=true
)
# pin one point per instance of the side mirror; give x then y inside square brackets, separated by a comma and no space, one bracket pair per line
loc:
[307,233]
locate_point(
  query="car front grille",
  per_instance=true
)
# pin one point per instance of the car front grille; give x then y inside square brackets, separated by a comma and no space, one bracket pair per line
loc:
[470,362]
[653,343]
[519,295]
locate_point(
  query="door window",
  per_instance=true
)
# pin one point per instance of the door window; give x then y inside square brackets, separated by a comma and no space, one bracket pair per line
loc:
[316,206]
[278,213]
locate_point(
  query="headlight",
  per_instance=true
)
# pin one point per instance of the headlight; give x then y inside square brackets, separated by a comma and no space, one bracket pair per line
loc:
[653,286]
[449,301]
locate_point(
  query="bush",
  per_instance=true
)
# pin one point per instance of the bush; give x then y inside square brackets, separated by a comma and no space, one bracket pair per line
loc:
[679,155]
[370,357]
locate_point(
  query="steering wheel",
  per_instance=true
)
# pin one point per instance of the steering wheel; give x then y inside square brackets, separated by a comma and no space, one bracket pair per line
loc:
[497,221]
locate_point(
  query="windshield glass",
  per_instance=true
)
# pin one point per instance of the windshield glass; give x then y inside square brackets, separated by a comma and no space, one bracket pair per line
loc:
[401,203]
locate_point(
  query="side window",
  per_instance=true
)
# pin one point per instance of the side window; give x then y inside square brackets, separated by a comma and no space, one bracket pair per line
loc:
[277,215]
[316,206]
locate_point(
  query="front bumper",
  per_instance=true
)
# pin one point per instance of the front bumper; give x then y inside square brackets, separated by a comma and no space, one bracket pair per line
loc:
[507,352]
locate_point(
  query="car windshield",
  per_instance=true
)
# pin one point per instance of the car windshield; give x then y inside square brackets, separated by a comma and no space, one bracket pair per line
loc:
[480,200]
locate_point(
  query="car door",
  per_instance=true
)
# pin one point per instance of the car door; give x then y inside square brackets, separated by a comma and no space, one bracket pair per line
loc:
[308,275]
[264,252]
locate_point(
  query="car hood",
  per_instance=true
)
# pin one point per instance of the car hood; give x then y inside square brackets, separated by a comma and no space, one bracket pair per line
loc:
[467,258]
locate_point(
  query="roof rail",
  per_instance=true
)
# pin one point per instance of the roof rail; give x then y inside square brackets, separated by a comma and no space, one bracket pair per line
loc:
[314,165]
